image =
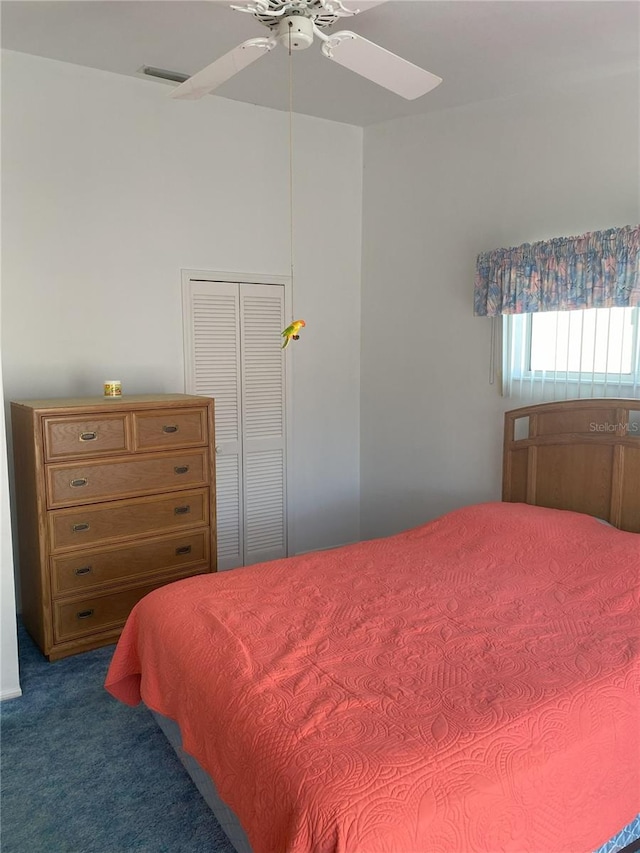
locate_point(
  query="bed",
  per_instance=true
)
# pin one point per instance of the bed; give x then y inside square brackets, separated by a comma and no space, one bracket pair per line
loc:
[472,684]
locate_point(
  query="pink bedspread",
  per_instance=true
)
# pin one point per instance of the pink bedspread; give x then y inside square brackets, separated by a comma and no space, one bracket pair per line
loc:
[470,685]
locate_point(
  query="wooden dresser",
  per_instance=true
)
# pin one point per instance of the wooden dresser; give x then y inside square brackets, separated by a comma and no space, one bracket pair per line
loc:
[114,498]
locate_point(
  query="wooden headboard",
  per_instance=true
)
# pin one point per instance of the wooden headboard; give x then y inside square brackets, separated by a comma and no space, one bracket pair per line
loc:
[582,455]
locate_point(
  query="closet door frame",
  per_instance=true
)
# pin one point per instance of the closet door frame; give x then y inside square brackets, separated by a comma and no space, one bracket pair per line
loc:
[188,275]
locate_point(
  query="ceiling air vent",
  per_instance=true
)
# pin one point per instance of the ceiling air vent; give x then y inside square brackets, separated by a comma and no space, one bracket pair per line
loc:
[163,74]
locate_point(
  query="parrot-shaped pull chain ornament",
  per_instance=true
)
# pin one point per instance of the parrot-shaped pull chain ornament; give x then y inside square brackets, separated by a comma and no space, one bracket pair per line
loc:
[292,332]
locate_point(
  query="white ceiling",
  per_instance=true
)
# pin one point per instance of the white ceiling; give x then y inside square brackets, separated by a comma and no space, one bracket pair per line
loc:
[483,49]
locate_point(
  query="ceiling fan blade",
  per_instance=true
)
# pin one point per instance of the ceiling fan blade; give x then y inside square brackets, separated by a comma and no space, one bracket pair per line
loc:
[362,5]
[222,69]
[379,65]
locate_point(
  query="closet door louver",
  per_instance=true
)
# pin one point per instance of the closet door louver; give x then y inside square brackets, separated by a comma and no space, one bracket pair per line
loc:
[213,324]
[263,410]
[234,354]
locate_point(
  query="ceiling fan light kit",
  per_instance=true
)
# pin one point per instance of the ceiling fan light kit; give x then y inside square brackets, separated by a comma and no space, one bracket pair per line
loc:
[296,32]
[294,24]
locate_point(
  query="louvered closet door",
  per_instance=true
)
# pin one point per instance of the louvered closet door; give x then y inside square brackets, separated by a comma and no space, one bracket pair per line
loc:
[212,322]
[233,353]
[263,415]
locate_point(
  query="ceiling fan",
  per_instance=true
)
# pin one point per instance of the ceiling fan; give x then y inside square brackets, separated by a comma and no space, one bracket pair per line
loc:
[294,24]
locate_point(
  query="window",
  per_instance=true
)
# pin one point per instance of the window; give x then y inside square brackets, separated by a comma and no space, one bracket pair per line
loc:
[594,352]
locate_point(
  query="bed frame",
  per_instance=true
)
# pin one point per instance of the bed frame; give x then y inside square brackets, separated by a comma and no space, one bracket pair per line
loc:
[580,455]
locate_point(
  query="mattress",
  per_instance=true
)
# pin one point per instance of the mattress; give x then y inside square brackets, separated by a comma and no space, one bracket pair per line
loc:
[440,690]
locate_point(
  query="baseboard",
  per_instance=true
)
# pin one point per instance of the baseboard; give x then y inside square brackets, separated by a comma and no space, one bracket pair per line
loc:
[10,694]
[328,548]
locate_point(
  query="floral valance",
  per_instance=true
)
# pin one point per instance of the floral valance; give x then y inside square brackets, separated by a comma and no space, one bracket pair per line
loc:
[600,269]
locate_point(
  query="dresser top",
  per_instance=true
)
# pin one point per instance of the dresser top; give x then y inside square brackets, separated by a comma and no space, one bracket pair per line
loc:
[126,401]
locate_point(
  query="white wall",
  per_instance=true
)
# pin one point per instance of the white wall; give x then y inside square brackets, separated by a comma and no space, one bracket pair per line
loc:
[439,189]
[110,188]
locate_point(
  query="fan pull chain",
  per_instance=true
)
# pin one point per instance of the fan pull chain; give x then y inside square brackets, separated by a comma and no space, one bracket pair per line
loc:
[291,169]
[292,332]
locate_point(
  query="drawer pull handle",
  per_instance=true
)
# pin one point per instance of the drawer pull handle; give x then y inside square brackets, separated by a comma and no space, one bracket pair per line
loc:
[181,469]
[81,481]
[84,570]
[171,428]
[88,436]
[185,549]
[79,528]
[84,614]
[182,510]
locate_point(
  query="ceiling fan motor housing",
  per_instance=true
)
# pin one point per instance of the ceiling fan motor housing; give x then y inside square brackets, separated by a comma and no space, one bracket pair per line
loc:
[299,29]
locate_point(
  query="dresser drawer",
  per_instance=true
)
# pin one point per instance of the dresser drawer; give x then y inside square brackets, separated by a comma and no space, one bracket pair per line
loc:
[168,429]
[68,437]
[71,484]
[92,614]
[86,570]
[82,527]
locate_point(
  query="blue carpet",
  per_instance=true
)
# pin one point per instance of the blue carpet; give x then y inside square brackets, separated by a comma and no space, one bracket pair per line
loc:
[82,773]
